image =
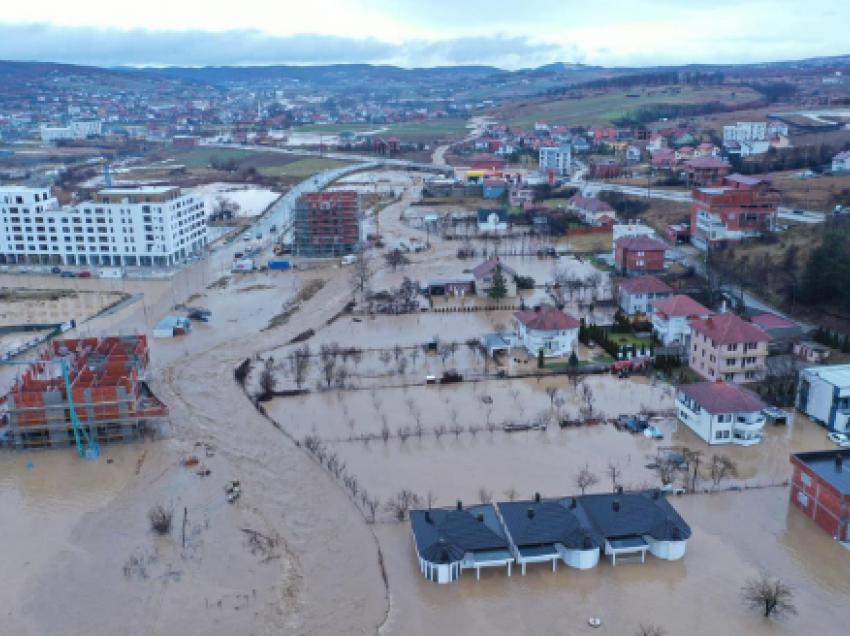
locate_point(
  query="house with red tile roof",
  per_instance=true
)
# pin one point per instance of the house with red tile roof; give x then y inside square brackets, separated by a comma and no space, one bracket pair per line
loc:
[706,169]
[726,347]
[672,317]
[590,210]
[721,412]
[548,329]
[639,254]
[636,294]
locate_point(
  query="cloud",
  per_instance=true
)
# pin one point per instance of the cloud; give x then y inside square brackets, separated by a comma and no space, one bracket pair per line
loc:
[143,47]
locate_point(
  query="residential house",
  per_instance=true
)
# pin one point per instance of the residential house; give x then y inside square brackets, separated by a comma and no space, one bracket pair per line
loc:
[494,188]
[636,294]
[823,393]
[841,162]
[493,220]
[656,143]
[548,329]
[664,159]
[706,169]
[580,144]
[738,209]
[557,160]
[632,229]
[460,286]
[812,352]
[706,149]
[592,211]
[685,153]
[605,169]
[521,195]
[633,154]
[749,148]
[677,233]
[451,540]
[721,412]
[639,254]
[729,348]
[779,141]
[485,274]
[820,487]
[672,317]
[745,131]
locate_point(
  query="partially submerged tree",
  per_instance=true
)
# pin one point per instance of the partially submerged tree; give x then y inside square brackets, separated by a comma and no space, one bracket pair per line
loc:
[721,467]
[362,271]
[400,505]
[396,258]
[299,361]
[768,595]
[650,630]
[585,478]
[160,519]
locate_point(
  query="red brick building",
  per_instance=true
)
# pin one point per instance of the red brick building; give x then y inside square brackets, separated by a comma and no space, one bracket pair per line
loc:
[327,224]
[738,209]
[639,254]
[821,489]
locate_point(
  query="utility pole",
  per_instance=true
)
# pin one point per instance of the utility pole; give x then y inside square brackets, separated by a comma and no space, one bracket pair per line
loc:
[185,515]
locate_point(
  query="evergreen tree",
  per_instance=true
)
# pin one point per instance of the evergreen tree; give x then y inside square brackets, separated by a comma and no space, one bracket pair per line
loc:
[819,335]
[541,360]
[499,289]
[573,359]
[845,346]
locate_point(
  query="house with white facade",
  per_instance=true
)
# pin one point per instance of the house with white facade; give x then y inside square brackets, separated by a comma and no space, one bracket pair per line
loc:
[841,162]
[823,393]
[124,226]
[485,277]
[548,329]
[77,129]
[721,412]
[745,131]
[636,294]
[556,159]
[672,317]
[493,220]
[633,154]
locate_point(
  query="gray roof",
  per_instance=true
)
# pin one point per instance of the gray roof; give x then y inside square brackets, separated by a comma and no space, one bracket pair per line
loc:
[553,521]
[446,534]
[484,214]
[822,464]
[639,514]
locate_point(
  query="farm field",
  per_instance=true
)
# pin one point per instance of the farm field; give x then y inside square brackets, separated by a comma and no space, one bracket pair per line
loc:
[303,167]
[426,131]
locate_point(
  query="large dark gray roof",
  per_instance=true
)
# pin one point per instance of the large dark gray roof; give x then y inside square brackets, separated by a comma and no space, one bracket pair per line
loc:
[451,533]
[822,464]
[553,521]
[638,513]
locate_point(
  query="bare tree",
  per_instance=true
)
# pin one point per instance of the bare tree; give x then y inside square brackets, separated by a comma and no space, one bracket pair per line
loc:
[299,362]
[614,472]
[373,505]
[160,519]
[585,478]
[511,494]
[456,429]
[328,357]
[430,499]
[768,595]
[586,394]
[485,496]
[362,271]
[474,429]
[444,351]
[721,467]
[440,430]
[553,393]
[414,355]
[403,432]
[385,357]
[396,258]
[401,504]
[385,431]
[341,376]
[650,630]
[267,380]
[401,366]
[398,352]
[666,468]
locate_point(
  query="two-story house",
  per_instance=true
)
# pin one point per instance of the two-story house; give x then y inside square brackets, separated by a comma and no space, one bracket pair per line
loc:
[639,254]
[721,412]
[672,317]
[547,329]
[485,275]
[823,393]
[635,294]
[726,347]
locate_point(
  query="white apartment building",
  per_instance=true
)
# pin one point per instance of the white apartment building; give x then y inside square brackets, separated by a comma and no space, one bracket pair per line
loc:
[745,131]
[557,159]
[77,129]
[143,226]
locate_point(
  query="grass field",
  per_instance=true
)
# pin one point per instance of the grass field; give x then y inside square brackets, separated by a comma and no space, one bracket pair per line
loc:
[303,167]
[602,109]
[426,131]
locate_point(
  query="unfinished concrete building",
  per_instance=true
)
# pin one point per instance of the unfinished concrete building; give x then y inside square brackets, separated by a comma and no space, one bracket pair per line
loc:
[327,224]
[109,398]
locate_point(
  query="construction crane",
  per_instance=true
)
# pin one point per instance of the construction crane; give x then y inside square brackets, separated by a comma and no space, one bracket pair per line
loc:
[84,437]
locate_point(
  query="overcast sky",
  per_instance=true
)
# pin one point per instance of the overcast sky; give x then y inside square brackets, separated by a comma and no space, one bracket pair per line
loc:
[509,34]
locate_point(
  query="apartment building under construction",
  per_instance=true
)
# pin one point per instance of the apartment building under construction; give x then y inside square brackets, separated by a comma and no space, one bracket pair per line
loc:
[327,224]
[91,387]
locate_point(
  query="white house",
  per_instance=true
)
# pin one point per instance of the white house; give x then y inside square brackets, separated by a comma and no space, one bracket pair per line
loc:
[493,220]
[721,412]
[547,329]
[556,159]
[633,154]
[745,131]
[636,294]
[632,229]
[671,318]
[823,393]
[841,162]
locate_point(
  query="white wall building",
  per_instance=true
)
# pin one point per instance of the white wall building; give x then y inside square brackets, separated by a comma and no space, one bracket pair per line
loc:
[841,162]
[636,294]
[671,318]
[145,226]
[77,129]
[745,131]
[547,329]
[823,393]
[557,159]
[721,412]
[632,229]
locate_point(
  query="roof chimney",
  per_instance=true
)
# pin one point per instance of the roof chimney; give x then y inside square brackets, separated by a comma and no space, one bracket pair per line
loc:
[530,513]
[619,490]
[656,493]
[839,460]
[616,505]
[537,497]
[573,502]
[481,517]
[459,504]
[428,517]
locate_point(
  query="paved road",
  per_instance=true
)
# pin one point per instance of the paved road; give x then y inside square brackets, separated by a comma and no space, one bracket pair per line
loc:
[806,216]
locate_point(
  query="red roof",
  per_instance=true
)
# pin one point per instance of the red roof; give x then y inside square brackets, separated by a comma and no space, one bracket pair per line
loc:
[642,243]
[646,285]
[490,265]
[723,397]
[589,204]
[707,161]
[680,306]
[769,320]
[547,318]
[728,329]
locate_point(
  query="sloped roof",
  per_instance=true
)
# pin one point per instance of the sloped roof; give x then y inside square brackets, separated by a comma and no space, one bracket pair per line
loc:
[744,180]
[547,318]
[680,305]
[643,243]
[550,521]
[484,214]
[446,534]
[590,204]
[728,328]
[639,513]
[723,397]
[489,265]
[842,155]
[770,320]
[646,285]
[706,161]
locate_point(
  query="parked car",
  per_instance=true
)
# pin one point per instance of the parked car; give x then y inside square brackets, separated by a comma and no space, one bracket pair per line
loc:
[653,433]
[84,275]
[56,270]
[67,274]
[670,489]
[839,439]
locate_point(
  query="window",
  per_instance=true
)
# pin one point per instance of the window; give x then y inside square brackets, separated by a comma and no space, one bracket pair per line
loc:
[718,435]
[802,499]
[806,479]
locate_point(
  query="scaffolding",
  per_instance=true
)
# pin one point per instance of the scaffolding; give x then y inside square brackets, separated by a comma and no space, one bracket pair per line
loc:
[327,224]
[90,387]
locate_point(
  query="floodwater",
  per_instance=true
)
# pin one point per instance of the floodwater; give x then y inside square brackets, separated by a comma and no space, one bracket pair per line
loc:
[252,200]
[50,308]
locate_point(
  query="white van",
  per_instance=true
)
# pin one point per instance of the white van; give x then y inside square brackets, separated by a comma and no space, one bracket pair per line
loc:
[349,259]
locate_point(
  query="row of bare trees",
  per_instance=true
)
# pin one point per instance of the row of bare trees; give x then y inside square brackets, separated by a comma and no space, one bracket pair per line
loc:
[568,285]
